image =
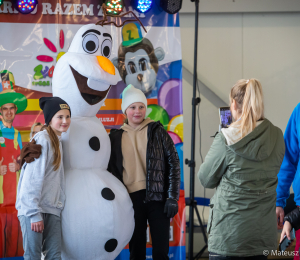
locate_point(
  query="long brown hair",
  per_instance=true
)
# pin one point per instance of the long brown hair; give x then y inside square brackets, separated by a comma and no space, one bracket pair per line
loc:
[248,95]
[55,146]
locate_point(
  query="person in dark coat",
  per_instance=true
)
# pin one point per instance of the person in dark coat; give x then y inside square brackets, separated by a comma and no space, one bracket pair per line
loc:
[144,158]
[292,221]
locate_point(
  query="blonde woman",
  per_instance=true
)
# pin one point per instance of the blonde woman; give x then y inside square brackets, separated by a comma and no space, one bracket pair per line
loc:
[242,164]
[35,128]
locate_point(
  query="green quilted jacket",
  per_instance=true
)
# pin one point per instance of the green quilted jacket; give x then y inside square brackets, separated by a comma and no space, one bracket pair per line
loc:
[242,218]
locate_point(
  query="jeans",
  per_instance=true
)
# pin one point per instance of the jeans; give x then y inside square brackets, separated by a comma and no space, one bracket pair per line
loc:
[48,242]
[213,256]
[159,223]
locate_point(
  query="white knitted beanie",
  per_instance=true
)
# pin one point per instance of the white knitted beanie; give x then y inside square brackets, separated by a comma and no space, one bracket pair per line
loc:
[131,95]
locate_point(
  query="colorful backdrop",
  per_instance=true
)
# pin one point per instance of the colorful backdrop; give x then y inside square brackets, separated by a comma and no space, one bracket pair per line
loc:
[31,45]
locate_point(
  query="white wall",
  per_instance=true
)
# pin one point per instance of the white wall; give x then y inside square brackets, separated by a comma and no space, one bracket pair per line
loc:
[241,6]
[265,46]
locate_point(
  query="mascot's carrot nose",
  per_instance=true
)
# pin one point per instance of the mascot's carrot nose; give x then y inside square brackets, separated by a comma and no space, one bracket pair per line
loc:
[106,65]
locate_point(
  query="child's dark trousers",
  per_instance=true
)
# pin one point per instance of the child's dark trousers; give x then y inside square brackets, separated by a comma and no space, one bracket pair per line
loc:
[152,211]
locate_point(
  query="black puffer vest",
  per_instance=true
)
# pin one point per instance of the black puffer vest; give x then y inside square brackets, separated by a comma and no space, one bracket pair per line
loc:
[162,163]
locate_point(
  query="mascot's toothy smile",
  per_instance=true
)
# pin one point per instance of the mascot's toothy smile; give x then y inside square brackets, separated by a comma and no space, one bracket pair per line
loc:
[91,96]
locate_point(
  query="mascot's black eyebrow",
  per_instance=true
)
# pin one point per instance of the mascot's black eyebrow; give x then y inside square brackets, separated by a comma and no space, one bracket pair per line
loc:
[92,30]
[107,35]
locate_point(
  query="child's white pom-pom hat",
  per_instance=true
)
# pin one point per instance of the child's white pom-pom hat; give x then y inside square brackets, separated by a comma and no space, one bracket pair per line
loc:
[132,95]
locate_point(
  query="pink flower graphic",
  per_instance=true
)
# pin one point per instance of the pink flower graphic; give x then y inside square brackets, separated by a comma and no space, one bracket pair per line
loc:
[51,47]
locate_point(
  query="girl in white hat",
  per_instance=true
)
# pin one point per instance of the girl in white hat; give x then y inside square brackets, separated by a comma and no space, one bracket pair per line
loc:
[144,158]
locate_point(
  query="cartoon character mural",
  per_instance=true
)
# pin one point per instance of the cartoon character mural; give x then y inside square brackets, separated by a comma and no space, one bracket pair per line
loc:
[97,203]
[137,60]
[11,103]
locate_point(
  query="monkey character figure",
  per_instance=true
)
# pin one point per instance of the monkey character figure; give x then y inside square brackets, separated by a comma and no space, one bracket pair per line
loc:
[137,60]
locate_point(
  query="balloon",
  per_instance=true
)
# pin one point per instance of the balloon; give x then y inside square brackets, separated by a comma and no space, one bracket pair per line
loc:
[176,139]
[170,97]
[157,113]
[176,126]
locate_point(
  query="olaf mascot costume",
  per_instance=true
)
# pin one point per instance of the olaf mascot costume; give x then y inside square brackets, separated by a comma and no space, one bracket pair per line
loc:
[98,217]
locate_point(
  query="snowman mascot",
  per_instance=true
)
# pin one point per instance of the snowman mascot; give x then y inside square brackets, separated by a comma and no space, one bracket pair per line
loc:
[98,217]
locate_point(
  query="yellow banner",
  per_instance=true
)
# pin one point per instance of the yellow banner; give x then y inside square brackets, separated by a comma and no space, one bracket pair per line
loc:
[109,104]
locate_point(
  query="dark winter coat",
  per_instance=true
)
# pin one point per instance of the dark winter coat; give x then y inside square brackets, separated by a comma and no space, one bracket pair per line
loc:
[162,163]
[294,218]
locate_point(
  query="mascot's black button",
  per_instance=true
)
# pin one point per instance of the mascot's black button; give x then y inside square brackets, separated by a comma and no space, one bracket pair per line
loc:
[108,194]
[95,143]
[111,245]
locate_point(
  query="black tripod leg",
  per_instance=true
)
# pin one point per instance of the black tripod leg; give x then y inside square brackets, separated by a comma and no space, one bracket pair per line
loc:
[204,234]
[201,225]
[200,253]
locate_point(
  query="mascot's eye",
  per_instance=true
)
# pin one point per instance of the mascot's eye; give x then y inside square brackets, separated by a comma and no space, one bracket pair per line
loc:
[90,43]
[131,67]
[106,48]
[143,64]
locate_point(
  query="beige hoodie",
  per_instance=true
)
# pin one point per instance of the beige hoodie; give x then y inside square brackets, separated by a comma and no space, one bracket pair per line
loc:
[134,149]
[233,134]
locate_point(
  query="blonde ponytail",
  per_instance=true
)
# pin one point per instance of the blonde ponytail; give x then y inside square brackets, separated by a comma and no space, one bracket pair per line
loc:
[55,146]
[249,98]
